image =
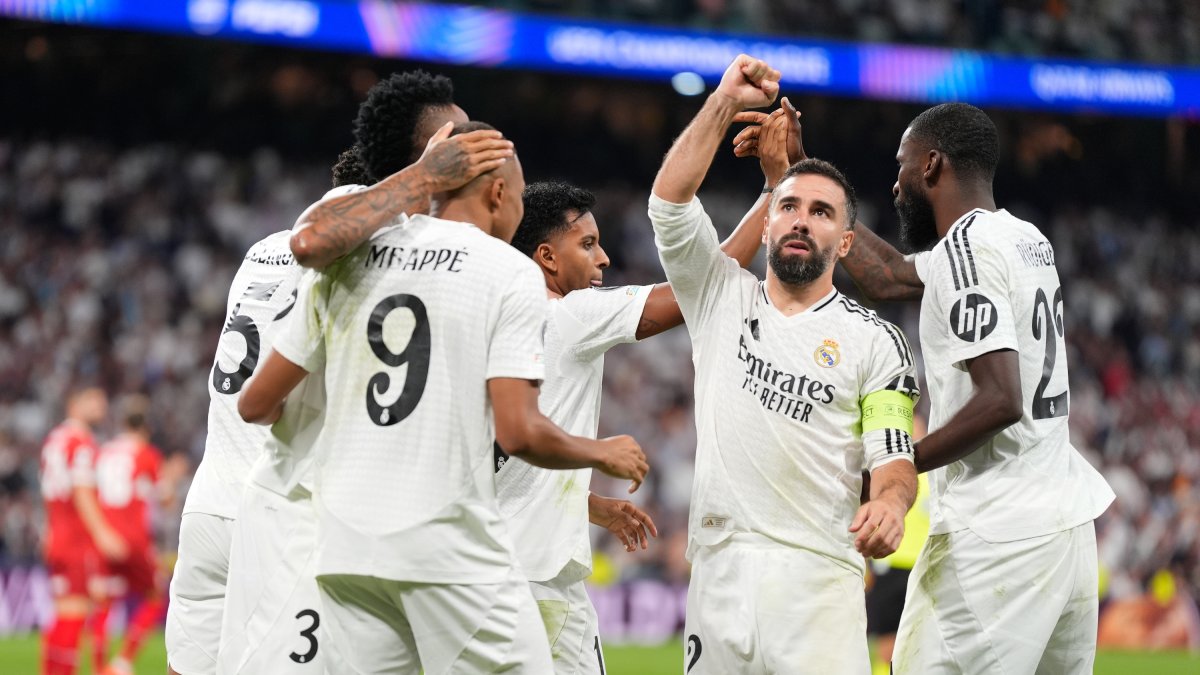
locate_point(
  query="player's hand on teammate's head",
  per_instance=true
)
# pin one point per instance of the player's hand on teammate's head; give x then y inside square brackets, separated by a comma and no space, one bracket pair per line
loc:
[453,161]
[879,525]
[623,458]
[631,525]
[750,81]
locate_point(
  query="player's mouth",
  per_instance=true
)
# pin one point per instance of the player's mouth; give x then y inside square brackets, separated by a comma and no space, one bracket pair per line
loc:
[597,283]
[797,246]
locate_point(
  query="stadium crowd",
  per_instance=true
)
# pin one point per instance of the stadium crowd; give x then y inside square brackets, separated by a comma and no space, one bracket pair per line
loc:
[119,245]
[116,262]
[1163,31]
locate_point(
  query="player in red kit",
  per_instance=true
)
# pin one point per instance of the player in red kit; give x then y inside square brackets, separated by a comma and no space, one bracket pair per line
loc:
[78,538]
[127,481]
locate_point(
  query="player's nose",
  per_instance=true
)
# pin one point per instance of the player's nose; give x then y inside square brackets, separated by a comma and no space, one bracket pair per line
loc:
[896,189]
[601,258]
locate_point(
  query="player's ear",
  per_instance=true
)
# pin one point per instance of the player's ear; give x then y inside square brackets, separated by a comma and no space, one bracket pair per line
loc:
[846,243]
[496,194]
[544,256]
[935,161]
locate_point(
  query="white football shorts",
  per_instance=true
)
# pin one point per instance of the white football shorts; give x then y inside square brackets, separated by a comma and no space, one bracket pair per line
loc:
[1027,606]
[572,627]
[272,606]
[378,625]
[757,606]
[198,594]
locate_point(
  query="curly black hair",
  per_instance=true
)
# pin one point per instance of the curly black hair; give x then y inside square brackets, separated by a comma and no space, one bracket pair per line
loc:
[965,134]
[386,127]
[349,169]
[819,167]
[546,207]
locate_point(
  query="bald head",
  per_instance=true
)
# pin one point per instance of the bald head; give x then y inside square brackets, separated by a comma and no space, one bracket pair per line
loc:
[498,192]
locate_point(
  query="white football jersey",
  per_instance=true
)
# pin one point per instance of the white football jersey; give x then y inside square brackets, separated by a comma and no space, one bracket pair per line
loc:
[547,510]
[286,459]
[420,318]
[263,292]
[778,398]
[990,285]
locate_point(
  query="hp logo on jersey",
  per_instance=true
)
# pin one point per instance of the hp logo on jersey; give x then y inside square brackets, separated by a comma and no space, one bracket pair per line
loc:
[973,318]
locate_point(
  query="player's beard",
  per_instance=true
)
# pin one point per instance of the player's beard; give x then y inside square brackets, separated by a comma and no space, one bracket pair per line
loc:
[794,270]
[918,227]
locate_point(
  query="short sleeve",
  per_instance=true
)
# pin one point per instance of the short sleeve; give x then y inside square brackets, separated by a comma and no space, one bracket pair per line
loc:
[83,464]
[301,338]
[515,348]
[601,318]
[890,391]
[973,291]
[921,262]
[691,256]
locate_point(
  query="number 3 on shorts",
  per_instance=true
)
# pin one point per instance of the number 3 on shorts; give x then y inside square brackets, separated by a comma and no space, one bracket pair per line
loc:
[307,634]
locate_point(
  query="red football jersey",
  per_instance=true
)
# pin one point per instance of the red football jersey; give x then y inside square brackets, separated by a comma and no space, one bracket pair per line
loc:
[126,475]
[68,462]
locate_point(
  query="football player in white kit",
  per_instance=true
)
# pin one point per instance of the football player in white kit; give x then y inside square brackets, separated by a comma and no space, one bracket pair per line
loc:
[548,511]
[798,391]
[1007,581]
[272,614]
[438,323]
[262,293]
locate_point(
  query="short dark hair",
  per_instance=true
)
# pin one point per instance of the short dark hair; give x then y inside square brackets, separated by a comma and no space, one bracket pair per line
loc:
[546,207]
[135,411]
[386,127]
[469,125]
[962,132]
[349,169]
[819,167]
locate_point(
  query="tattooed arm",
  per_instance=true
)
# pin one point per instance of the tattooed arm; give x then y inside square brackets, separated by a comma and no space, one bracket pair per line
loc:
[333,227]
[879,270]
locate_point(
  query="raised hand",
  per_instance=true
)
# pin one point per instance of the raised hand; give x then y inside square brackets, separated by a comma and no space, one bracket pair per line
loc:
[750,82]
[766,140]
[773,138]
[452,162]
[623,458]
[629,523]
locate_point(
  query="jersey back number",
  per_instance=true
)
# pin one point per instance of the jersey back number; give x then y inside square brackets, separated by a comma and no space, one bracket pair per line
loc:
[415,354]
[1048,327]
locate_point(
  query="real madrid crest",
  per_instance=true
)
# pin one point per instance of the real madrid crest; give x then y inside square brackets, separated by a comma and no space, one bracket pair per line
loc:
[827,355]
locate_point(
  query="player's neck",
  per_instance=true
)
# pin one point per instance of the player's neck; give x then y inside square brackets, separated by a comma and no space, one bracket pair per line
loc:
[77,423]
[965,200]
[464,211]
[553,290]
[791,299]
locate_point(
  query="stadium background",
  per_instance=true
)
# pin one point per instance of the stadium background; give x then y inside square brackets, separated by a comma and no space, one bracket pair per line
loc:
[136,168]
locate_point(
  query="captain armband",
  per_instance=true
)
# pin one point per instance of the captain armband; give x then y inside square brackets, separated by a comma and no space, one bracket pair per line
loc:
[887,409]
